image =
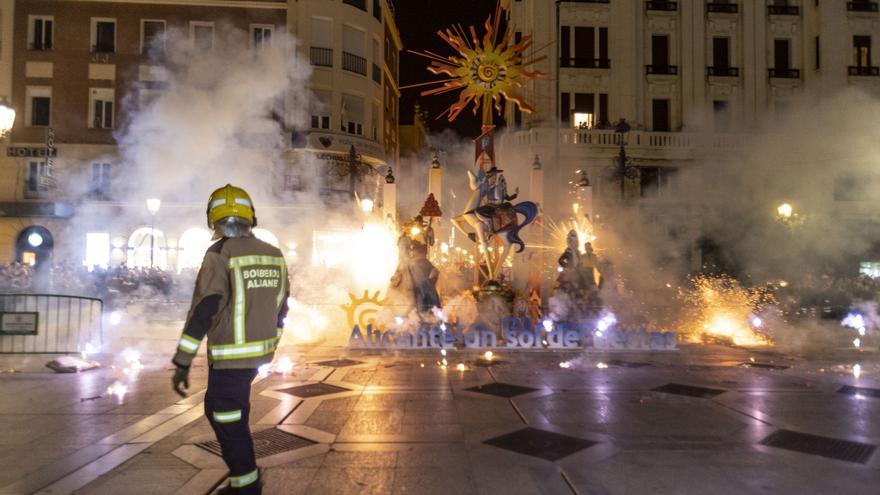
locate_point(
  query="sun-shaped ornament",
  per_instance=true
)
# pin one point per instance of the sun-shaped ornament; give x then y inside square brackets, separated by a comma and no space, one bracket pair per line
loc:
[486,70]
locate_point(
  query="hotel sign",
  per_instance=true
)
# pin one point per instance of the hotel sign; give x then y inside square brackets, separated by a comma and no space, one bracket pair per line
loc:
[31,152]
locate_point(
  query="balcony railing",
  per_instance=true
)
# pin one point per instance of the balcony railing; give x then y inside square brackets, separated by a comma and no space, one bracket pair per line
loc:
[361,4]
[669,70]
[722,8]
[775,73]
[783,10]
[585,63]
[859,70]
[862,6]
[354,63]
[722,71]
[661,5]
[638,143]
[321,57]
[377,74]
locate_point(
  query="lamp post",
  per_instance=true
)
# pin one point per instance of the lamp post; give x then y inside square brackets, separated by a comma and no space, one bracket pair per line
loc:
[153,205]
[624,171]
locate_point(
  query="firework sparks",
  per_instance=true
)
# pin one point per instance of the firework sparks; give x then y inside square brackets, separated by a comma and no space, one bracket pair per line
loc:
[720,310]
[118,389]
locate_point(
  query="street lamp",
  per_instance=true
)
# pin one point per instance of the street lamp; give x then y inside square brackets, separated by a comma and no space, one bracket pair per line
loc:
[785,211]
[7,117]
[624,171]
[153,205]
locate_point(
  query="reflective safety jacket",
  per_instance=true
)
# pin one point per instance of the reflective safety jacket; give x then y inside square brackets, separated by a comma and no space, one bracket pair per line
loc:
[239,302]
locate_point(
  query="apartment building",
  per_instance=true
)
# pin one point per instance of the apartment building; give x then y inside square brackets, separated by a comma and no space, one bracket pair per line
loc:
[688,76]
[75,66]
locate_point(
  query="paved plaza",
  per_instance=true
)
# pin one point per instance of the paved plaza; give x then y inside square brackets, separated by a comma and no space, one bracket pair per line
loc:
[701,420]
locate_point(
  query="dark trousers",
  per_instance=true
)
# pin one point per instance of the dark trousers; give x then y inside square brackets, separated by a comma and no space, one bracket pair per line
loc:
[227,406]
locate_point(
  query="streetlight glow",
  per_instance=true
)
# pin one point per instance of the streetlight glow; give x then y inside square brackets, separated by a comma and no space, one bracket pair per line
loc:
[7,117]
[785,211]
[153,205]
[367,205]
[35,239]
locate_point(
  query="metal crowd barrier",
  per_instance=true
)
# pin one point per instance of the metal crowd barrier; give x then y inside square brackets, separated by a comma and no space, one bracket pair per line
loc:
[48,323]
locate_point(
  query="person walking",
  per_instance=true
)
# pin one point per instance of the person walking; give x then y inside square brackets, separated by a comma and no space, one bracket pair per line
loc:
[239,302]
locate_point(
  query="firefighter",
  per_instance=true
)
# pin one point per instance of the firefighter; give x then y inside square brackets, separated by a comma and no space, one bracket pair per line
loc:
[239,302]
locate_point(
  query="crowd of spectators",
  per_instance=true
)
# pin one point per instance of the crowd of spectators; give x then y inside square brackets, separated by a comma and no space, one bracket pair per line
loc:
[830,296]
[115,285]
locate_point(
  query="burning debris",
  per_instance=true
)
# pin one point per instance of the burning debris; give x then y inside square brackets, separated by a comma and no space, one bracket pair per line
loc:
[719,309]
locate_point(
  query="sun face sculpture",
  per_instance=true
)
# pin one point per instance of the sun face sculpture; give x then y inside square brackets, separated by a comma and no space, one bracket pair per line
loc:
[486,70]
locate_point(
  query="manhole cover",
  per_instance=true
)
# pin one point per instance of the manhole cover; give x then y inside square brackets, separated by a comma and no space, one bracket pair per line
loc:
[339,363]
[539,443]
[833,448]
[626,364]
[766,366]
[501,389]
[266,443]
[860,391]
[689,390]
[313,390]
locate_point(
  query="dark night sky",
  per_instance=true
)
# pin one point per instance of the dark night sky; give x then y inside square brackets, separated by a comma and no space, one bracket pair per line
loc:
[419,21]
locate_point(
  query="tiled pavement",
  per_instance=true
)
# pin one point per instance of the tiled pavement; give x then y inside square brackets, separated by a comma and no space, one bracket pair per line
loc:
[402,425]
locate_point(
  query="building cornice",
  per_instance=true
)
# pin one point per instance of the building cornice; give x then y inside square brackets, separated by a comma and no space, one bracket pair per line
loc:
[232,4]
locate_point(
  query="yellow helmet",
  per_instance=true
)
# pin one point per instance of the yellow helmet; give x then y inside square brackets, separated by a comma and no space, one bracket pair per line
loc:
[230,201]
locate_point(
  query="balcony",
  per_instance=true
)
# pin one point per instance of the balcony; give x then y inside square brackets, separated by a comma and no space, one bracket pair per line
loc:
[722,71]
[662,5]
[321,57]
[783,10]
[639,143]
[361,4]
[858,70]
[666,70]
[585,63]
[722,8]
[862,6]
[377,74]
[775,73]
[354,63]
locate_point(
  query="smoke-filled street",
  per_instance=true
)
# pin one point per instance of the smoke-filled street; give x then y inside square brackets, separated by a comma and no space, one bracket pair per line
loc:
[698,420]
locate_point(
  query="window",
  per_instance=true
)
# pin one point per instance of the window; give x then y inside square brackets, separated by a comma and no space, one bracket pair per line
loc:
[101,108]
[660,50]
[720,53]
[202,34]
[781,54]
[103,35]
[40,32]
[319,107]
[656,181]
[353,115]
[583,111]
[321,53]
[721,114]
[862,51]
[660,115]
[353,50]
[818,65]
[377,10]
[39,106]
[565,107]
[374,121]
[261,36]
[152,37]
[36,175]
[99,180]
